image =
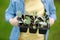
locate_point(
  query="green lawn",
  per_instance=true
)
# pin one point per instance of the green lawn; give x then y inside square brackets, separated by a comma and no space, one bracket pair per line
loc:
[5,28]
[55,29]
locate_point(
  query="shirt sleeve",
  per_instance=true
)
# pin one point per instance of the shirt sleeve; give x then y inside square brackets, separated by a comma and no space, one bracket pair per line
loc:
[52,9]
[10,11]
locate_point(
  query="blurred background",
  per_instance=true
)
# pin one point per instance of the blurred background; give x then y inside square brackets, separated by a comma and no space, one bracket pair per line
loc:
[5,27]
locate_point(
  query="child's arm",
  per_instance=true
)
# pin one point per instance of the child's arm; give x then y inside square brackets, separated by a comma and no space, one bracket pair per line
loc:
[11,14]
[52,11]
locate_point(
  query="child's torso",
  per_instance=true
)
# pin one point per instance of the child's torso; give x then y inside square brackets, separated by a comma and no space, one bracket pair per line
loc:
[34,5]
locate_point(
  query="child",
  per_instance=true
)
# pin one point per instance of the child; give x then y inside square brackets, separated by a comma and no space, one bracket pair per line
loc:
[29,6]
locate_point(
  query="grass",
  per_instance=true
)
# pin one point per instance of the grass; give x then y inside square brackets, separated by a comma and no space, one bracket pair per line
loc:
[55,29]
[5,28]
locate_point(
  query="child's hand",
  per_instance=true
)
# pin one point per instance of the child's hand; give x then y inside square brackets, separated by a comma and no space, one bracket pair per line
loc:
[51,21]
[14,21]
